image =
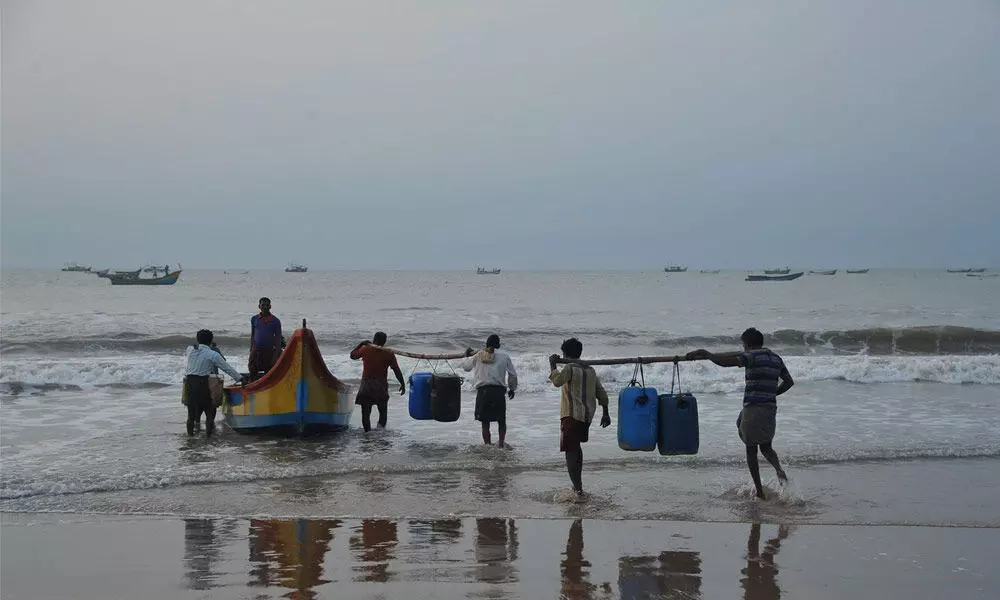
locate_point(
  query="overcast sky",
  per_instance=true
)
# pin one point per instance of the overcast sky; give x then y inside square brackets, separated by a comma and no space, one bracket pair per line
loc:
[534,134]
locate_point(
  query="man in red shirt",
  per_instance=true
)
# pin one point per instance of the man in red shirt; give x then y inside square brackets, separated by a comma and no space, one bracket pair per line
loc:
[374,388]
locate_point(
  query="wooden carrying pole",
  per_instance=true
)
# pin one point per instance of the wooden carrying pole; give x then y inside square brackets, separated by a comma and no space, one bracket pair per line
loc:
[452,356]
[645,360]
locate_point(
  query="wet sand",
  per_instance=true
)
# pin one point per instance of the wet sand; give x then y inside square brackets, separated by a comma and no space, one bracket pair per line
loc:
[153,558]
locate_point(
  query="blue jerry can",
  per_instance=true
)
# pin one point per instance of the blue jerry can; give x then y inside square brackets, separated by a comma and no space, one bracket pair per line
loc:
[638,415]
[420,396]
[678,424]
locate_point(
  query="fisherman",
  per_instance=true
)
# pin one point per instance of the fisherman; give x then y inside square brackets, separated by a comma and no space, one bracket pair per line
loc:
[581,392]
[374,387]
[265,340]
[494,378]
[201,361]
[756,423]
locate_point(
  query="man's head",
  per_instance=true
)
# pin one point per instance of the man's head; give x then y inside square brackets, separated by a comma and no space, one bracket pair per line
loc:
[572,348]
[493,342]
[265,306]
[752,339]
[205,336]
[380,338]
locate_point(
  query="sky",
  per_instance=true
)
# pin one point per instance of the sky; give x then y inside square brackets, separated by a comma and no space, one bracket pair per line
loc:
[440,134]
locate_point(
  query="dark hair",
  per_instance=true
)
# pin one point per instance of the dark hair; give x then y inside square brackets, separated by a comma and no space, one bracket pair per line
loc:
[380,338]
[204,336]
[493,341]
[572,348]
[264,299]
[753,338]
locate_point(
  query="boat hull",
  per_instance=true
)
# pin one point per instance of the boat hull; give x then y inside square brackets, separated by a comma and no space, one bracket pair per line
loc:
[789,277]
[135,280]
[297,397]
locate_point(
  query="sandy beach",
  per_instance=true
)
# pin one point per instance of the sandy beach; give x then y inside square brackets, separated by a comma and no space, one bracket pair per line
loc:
[159,558]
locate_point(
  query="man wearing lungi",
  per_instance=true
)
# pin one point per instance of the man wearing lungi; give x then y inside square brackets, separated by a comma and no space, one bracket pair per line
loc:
[756,423]
[495,381]
[581,393]
[374,388]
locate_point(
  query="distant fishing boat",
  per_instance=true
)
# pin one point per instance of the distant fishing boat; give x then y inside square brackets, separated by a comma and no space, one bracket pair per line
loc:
[784,271]
[75,268]
[787,277]
[674,269]
[827,272]
[134,278]
[966,270]
[858,271]
[710,271]
[298,396]
[294,268]
[982,275]
[483,271]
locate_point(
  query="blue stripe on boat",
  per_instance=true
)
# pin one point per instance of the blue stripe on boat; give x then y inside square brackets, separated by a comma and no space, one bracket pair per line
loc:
[307,418]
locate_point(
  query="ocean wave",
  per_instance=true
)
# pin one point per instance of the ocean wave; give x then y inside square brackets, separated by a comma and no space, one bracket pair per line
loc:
[15,488]
[39,375]
[922,340]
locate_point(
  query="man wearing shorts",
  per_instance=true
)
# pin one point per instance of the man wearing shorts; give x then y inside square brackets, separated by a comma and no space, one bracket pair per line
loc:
[756,422]
[495,381]
[374,388]
[581,393]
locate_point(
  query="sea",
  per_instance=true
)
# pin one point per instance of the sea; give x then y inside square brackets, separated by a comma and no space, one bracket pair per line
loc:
[894,418]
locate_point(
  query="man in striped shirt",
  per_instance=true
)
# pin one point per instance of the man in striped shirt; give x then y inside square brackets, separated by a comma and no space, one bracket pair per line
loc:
[202,361]
[756,422]
[581,393]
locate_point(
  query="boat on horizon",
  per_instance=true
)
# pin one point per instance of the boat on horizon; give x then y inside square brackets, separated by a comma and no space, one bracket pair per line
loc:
[484,271]
[710,271]
[826,272]
[674,269]
[296,268]
[135,278]
[784,271]
[785,277]
[966,270]
[298,396]
[857,271]
[75,268]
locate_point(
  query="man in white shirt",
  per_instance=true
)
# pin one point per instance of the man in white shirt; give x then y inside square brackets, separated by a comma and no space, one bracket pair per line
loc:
[201,362]
[495,381]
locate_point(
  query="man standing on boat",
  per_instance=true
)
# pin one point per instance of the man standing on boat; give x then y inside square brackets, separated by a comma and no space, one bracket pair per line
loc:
[581,393]
[495,381]
[202,361]
[374,388]
[756,422]
[265,340]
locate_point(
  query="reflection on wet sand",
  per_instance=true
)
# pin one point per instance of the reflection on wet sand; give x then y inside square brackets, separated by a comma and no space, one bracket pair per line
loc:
[575,569]
[675,575]
[290,554]
[374,543]
[496,550]
[760,577]
[203,540]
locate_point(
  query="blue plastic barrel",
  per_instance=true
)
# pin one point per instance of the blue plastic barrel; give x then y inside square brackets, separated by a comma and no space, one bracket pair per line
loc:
[420,396]
[638,415]
[678,424]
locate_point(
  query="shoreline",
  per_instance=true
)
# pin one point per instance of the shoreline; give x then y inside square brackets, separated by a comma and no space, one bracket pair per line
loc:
[158,558]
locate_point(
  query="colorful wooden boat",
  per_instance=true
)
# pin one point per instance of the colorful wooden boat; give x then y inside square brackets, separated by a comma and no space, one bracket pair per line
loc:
[788,277]
[298,396]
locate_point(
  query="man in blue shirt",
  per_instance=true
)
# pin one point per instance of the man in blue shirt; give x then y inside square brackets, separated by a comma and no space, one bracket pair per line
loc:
[756,422]
[265,340]
[202,361]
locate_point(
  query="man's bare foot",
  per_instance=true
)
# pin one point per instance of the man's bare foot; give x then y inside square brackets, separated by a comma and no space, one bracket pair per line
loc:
[581,496]
[782,477]
[760,494]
